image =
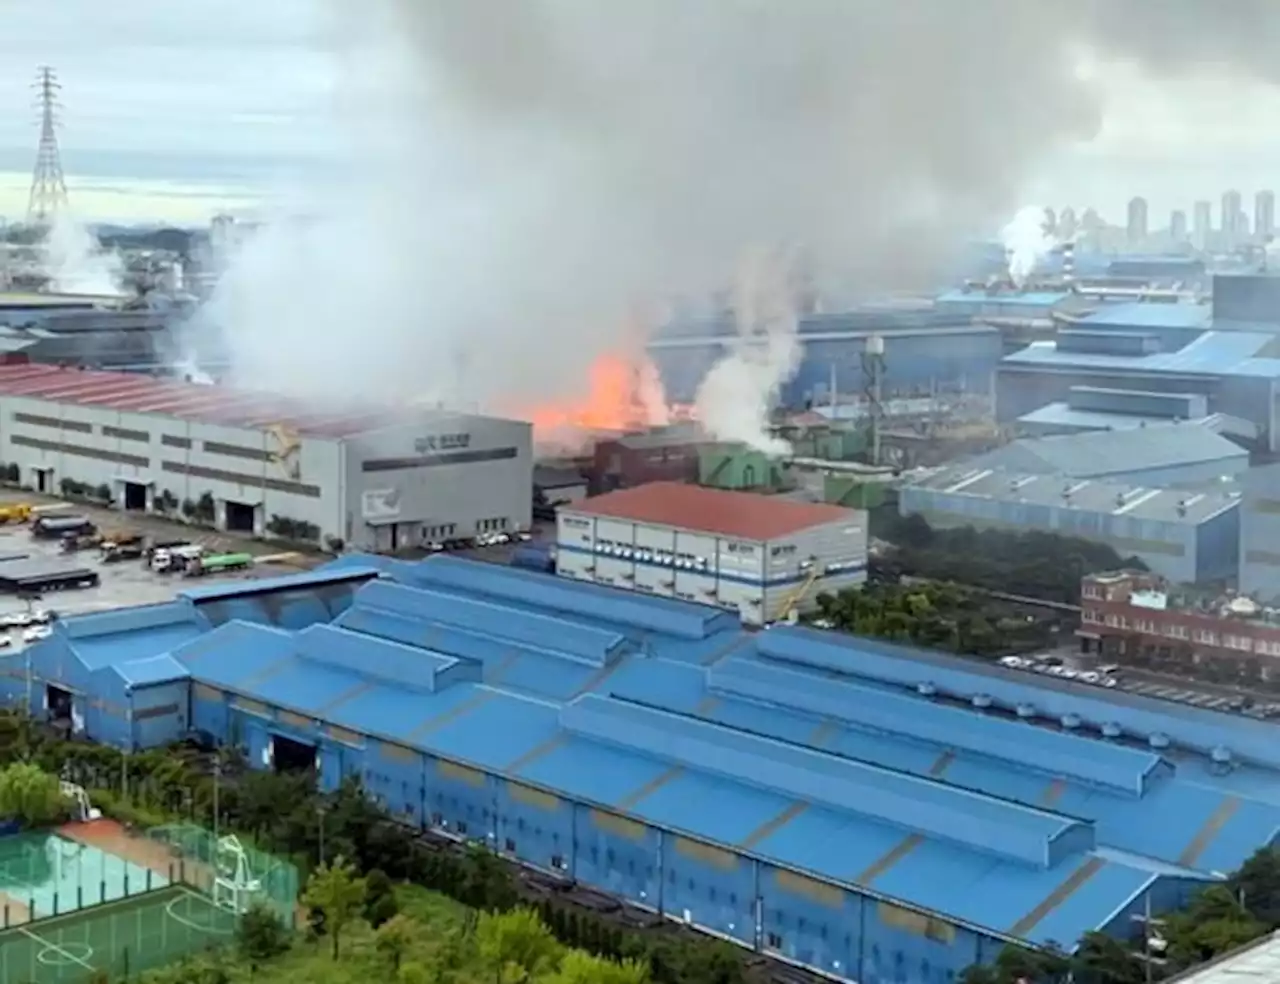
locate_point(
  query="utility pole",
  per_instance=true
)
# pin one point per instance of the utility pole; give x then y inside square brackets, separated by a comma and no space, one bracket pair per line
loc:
[48,183]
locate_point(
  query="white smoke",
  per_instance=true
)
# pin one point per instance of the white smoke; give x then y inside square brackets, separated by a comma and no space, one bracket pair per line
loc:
[737,395]
[521,172]
[1026,242]
[75,263]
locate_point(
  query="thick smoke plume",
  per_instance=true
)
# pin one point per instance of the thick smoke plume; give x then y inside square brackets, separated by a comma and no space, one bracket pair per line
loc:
[523,172]
[75,263]
[1027,241]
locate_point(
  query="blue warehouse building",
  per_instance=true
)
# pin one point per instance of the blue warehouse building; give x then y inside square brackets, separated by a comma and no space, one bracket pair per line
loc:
[924,352]
[883,814]
[1186,536]
[1152,348]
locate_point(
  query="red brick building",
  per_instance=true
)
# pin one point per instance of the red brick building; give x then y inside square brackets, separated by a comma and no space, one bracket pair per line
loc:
[1134,617]
[664,454]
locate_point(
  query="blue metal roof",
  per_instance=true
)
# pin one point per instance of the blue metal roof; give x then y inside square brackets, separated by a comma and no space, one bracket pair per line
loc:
[1094,454]
[979,298]
[329,574]
[149,671]
[1215,353]
[124,620]
[974,821]
[1139,315]
[1120,769]
[1063,415]
[812,751]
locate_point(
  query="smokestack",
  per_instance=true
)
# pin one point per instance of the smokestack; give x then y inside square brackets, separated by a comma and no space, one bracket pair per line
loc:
[1069,263]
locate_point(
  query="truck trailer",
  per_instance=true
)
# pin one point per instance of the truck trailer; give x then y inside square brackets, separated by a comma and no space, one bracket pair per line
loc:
[218,564]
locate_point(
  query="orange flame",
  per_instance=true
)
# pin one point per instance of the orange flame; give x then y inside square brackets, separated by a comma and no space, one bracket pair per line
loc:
[610,403]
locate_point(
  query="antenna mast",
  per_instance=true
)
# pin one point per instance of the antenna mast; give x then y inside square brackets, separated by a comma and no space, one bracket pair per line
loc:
[48,183]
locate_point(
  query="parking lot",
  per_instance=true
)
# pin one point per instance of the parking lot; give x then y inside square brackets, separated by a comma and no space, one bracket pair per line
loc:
[126,582]
[1146,684]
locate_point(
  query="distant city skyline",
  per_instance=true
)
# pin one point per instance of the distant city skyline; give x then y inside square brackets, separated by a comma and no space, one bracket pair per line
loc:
[183,110]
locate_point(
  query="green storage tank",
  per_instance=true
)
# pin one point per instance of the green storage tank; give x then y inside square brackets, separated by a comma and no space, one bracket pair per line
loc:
[853,492]
[736,467]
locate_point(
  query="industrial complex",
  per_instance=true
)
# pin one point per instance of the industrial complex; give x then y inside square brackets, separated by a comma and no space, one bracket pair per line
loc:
[369,477]
[874,812]
[765,558]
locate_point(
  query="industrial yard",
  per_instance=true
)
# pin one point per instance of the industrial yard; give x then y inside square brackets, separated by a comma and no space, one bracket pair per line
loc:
[652,749]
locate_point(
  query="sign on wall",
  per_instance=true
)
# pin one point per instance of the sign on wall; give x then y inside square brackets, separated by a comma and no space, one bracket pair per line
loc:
[378,504]
[435,443]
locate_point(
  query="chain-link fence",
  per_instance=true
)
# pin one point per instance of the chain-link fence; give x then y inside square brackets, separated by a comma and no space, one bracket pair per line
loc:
[235,875]
[44,875]
[120,940]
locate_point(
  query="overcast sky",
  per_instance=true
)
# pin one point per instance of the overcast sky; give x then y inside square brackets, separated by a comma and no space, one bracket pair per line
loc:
[177,108]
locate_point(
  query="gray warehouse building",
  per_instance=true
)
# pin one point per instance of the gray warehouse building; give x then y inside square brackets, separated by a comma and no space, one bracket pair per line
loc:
[763,556]
[1187,536]
[1260,533]
[1156,455]
[377,479]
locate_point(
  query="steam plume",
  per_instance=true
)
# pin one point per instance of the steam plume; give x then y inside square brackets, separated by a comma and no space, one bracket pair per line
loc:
[523,171]
[75,263]
[736,396]
[1026,241]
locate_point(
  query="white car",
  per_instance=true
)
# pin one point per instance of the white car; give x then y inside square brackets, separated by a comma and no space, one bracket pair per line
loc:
[16,620]
[36,633]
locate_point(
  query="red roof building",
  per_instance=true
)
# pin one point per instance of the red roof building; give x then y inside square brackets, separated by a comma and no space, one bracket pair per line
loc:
[220,405]
[763,556]
[742,515]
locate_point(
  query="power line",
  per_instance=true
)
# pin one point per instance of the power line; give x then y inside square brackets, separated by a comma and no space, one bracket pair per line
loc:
[48,183]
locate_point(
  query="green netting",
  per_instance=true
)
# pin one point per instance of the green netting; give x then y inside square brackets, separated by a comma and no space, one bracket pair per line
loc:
[120,940]
[234,875]
[44,875]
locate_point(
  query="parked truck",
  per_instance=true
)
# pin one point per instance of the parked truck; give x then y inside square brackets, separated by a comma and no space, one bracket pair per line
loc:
[117,548]
[218,564]
[56,527]
[15,512]
[175,557]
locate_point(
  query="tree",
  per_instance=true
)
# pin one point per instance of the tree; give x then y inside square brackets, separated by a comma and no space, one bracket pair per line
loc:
[1214,923]
[1257,886]
[578,967]
[260,935]
[1100,959]
[516,946]
[31,795]
[380,898]
[393,939]
[335,890]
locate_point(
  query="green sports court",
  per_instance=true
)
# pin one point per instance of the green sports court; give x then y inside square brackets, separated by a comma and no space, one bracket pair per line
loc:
[119,938]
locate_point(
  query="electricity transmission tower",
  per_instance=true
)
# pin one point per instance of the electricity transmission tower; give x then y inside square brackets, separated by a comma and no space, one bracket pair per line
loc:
[48,184]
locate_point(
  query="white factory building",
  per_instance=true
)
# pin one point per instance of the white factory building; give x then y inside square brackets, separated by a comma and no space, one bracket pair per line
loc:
[376,479]
[762,556]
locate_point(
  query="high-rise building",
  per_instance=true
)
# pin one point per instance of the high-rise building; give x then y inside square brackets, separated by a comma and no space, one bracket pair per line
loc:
[1231,211]
[1264,215]
[1178,226]
[1202,219]
[1137,226]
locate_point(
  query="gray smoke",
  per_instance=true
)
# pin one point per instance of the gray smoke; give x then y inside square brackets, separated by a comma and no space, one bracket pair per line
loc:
[523,173]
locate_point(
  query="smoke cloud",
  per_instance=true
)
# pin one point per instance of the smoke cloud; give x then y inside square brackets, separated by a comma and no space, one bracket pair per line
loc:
[523,173]
[75,263]
[1026,241]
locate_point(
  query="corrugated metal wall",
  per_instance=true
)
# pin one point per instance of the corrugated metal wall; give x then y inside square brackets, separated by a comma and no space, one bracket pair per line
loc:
[913,363]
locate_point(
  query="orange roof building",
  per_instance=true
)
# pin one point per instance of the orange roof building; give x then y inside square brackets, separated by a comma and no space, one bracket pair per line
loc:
[764,556]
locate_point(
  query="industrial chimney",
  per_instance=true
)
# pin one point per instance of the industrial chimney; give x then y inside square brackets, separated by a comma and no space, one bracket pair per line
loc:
[1069,263]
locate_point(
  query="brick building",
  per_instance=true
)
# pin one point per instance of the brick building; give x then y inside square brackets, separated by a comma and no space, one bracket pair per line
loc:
[1135,617]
